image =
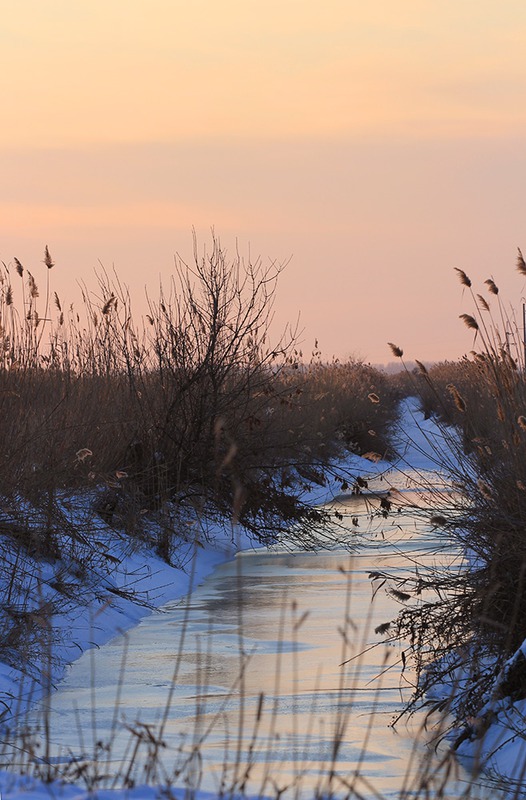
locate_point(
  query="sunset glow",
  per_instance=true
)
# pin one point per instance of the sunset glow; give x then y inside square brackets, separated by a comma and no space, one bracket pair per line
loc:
[375,146]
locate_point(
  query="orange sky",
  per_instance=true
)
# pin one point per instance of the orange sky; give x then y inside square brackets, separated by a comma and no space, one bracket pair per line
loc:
[379,145]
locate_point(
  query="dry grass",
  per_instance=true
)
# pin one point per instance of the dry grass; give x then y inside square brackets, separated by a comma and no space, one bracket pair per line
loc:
[192,408]
[192,400]
[477,619]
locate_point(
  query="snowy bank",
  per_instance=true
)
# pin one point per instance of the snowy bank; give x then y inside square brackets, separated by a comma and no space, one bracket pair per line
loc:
[61,606]
[71,604]
[493,742]
[136,581]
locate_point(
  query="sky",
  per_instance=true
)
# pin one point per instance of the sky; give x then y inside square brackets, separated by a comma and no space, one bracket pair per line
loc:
[370,147]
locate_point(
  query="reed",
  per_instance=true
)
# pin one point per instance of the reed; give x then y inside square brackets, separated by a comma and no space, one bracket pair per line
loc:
[464,632]
[191,412]
[118,426]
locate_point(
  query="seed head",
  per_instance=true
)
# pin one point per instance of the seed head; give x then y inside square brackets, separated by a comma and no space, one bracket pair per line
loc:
[33,288]
[48,261]
[469,321]
[459,401]
[395,350]
[383,628]
[484,304]
[108,304]
[492,286]
[402,596]
[464,280]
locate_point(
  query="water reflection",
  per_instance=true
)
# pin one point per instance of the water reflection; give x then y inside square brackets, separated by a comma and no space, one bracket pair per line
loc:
[248,671]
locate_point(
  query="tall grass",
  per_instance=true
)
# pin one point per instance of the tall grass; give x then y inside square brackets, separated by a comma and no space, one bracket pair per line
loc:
[137,424]
[466,635]
[194,410]
[192,402]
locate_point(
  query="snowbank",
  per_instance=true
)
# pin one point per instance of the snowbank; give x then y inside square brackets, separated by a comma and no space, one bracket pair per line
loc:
[135,581]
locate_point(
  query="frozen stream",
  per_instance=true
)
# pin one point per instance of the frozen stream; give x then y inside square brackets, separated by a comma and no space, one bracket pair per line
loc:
[247,672]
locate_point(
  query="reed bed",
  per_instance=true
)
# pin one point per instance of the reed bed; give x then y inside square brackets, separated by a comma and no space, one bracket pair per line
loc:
[466,638]
[193,411]
[136,425]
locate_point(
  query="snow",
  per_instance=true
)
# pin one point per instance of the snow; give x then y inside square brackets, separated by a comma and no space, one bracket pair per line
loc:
[124,581]
[25,788]
[121,592]
[130,581]
[133,580]
[498,742]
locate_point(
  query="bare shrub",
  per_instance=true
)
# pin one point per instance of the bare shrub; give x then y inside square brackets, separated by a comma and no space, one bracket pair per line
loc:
[194,406]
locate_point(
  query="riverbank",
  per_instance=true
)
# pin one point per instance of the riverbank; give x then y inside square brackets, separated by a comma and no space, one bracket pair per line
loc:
[492,739]
[68,613]
[127,582]
[133,578]
[362,468]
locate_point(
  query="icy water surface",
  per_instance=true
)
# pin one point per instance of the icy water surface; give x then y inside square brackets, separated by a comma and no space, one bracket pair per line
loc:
[244,677]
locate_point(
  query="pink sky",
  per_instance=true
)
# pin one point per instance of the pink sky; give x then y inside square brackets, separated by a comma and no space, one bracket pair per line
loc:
[377,147]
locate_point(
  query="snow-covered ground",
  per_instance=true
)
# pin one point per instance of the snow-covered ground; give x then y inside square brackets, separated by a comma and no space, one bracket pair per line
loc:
[125,581]
[495,741]
[132,580]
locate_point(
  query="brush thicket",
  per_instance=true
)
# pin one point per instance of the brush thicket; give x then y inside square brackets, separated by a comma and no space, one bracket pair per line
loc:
[480,402]
[191,409]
